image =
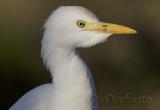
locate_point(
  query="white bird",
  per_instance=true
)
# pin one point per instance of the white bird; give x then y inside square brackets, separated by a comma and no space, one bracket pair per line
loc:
[72,88]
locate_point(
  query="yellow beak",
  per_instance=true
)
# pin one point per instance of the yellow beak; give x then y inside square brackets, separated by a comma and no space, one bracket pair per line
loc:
[109,28]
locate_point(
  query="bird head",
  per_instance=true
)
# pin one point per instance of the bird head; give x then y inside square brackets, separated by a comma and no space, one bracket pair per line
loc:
[75,26]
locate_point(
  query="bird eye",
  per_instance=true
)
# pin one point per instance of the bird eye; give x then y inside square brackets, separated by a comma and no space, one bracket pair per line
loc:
[81,23]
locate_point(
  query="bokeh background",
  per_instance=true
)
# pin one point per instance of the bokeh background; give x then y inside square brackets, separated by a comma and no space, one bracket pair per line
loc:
[122,65]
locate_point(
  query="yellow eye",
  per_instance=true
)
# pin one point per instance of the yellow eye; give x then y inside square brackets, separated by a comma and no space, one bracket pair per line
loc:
[81,23]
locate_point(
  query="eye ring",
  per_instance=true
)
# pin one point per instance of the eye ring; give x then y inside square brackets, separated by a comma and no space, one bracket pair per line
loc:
[81,23]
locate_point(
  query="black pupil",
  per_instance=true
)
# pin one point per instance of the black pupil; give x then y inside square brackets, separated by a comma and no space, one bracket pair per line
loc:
[81,23]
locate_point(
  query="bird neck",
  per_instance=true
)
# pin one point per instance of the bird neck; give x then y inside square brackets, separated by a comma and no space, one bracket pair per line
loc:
[66,66]
[61,63]
[71,78]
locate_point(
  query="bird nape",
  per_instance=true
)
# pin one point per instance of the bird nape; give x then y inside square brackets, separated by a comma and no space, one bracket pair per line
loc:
[72,88]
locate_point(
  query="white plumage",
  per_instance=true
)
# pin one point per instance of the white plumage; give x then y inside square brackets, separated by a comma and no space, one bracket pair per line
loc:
[72,87]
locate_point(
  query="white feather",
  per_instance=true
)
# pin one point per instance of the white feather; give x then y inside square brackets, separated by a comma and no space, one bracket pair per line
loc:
[72,87]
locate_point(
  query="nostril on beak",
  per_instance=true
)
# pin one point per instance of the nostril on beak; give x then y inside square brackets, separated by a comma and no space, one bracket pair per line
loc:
[104,25]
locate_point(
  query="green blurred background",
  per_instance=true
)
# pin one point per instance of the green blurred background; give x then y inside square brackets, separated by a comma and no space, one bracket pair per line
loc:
[122,65]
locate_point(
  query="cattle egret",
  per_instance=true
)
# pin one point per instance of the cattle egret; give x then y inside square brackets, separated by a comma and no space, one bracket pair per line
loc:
[72,88]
